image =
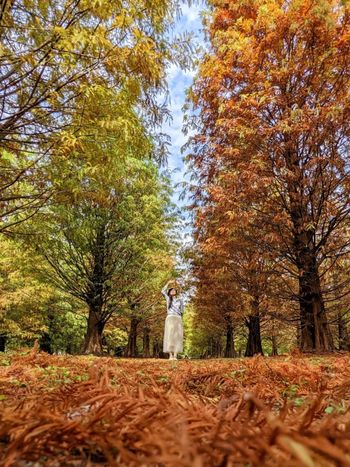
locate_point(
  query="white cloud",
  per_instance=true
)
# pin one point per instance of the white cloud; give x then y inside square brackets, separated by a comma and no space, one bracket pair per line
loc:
[191,13]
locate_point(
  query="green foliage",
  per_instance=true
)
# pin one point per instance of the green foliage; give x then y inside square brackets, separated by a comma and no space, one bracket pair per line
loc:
[291,391]
[199,335]
[23,299]
[104,238]
[82,168]
[115,337]
[75,46]
[29,309]
[66,332]
[336,408]
[61,63]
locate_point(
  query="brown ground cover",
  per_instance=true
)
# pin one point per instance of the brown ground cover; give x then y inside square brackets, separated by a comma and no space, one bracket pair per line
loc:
[75,411]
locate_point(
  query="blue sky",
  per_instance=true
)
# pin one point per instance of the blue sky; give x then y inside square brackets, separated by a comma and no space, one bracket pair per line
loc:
[178,82]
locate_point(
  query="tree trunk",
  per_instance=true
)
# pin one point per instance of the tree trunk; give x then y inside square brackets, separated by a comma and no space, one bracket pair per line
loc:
[3,340]
[217,348]
[254,337]
[210,348]
[315,334]
[230,344]
[156,348]
[119,351]
[93,337]
[69,348]
[274,346]
[314,330]
[131,349]
[146,342]
[343,334]
[298,334]
[95,300]
[214,348]
[45,341]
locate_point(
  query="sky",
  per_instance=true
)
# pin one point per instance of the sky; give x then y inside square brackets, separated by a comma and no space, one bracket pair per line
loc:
[178,82]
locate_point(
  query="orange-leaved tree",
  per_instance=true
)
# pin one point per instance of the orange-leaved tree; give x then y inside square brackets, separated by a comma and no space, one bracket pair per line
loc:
[272,119]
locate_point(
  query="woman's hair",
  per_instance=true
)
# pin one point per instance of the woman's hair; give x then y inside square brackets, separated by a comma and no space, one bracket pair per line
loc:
[170,296]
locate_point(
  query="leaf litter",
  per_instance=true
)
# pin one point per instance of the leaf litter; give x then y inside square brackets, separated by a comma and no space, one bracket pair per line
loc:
[290,411]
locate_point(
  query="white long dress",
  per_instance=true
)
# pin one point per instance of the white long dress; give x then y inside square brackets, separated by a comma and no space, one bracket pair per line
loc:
[173,330]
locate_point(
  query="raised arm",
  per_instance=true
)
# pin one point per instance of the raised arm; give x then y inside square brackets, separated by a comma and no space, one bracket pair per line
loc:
[182,306]
[165,290]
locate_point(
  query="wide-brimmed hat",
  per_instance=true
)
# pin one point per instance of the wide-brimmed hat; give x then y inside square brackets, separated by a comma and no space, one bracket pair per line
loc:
[175,286]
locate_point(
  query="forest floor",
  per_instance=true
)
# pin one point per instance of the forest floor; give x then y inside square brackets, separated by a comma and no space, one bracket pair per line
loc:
[89,411]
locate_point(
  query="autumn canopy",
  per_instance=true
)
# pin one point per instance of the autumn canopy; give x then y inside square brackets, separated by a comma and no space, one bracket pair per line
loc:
[271,160]
[174,233]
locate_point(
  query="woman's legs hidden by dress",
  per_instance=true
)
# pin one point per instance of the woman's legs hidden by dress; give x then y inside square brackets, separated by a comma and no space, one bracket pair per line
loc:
[172,355]
[173,336]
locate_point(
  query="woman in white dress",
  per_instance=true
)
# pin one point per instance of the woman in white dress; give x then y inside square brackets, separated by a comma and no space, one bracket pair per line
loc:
[173,331]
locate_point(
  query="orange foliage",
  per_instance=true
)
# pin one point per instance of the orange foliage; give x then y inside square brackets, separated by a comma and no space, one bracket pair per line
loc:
[59,410]
[271,151]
